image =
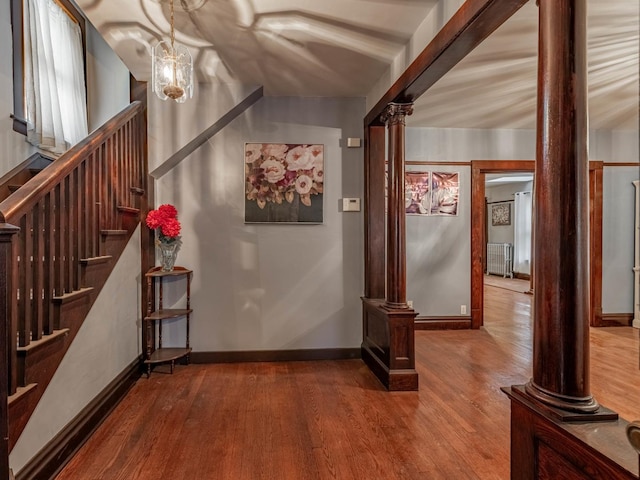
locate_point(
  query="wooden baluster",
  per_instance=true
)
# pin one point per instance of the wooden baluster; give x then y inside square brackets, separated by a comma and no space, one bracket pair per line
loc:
[7,344]
[130,165]
[63,213]
[102,183]
[37,254]
[92,236]
[58,270]
[74,235]
[81,205]
[108,183]
[86,206]
[68,233]
[121,167]
[48,285]
[24,304]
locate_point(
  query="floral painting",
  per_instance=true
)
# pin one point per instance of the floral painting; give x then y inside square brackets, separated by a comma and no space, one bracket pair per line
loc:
[444,193]
[283,182]
[417,191]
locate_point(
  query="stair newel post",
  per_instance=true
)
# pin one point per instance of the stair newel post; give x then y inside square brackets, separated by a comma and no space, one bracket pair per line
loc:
[7,332]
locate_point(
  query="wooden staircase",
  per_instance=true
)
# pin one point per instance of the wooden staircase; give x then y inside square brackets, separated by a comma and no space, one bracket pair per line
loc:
[14,179]
[74,220]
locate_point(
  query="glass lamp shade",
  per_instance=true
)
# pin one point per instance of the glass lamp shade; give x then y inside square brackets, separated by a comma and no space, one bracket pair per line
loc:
[172,71]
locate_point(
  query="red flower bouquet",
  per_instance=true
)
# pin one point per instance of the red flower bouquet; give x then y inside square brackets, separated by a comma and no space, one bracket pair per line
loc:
[164,220]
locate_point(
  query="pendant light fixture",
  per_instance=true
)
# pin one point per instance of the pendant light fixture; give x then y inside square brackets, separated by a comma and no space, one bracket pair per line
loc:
[172,69]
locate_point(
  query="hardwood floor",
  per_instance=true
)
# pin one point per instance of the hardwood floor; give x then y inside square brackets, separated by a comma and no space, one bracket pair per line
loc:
[333,420]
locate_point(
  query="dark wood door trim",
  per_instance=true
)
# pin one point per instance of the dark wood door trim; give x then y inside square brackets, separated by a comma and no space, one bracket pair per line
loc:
[479,169]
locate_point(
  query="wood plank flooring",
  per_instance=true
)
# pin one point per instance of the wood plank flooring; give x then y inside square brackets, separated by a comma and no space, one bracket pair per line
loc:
[333,420]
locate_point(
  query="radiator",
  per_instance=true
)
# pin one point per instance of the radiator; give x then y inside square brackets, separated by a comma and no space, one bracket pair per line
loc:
[500,259]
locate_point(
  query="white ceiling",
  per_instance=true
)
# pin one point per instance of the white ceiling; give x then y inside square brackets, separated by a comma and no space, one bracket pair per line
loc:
[342,47]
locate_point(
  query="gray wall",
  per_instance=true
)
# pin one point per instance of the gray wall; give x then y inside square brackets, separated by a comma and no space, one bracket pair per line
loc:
[107,80]
[617,238]
[438,289]
[271,287]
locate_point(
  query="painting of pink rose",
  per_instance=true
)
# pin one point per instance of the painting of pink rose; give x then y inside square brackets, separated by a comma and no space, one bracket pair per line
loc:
[284,182]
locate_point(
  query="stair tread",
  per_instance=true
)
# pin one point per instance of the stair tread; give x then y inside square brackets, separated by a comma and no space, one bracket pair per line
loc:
[72,295]
[43,341]
[21,392]
[137,190]
[95,260]
[131,210]
[114,232]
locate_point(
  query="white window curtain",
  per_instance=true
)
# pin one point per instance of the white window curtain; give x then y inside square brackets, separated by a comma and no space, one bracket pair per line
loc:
[522,232]
[55,96]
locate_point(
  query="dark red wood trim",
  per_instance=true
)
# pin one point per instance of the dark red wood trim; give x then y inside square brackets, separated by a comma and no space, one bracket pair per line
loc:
[467,28]
[276,355]
[427,163]
[614,320]
[57,453]
[478,170]
[595,240]
[374,212]
[621,164]
[443,323]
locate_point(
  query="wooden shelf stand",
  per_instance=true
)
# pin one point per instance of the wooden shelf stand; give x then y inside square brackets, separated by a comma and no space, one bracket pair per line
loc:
[154,352]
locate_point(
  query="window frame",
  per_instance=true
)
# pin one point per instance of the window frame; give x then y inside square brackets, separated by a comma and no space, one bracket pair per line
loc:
[19,115]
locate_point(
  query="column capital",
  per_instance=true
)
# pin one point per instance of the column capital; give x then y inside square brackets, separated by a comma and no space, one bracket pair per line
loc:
[395,113]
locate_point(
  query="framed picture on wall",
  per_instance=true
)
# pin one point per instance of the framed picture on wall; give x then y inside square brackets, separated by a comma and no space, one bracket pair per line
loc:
[284,183]
[445,190]
[501,214]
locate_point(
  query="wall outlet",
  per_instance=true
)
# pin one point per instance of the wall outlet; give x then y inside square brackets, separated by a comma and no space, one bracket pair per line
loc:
[463,309]
[410,303]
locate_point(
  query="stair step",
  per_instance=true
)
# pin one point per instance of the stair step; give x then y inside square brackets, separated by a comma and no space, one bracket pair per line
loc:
[34,171]
[70,297]
[21,393]
[45,340]
[95,260]
[129,210]
[13,188]
[136,190]
[107,233]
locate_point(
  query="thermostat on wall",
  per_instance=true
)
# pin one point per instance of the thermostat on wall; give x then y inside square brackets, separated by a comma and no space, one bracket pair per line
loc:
[350,204]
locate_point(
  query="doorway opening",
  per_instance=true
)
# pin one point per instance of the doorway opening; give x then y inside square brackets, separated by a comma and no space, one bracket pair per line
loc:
[480,169]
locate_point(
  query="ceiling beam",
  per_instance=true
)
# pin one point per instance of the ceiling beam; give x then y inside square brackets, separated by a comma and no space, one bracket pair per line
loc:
[474,21]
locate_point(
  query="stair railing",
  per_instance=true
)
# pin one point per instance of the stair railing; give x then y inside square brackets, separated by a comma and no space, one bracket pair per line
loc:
[62,213]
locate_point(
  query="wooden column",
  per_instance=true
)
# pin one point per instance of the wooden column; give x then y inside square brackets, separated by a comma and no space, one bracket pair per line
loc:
[374,207]
[561,301]
[8,341]
[387,323]
[394,117]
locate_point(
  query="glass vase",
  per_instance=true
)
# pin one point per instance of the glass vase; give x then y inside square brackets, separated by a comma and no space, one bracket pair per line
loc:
[168,254]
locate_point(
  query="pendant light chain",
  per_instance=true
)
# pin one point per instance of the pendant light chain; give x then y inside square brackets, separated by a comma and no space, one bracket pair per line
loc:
[173,33]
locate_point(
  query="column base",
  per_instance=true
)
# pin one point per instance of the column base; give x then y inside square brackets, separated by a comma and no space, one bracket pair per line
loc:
[544,447]
[388,344]
[564,408]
